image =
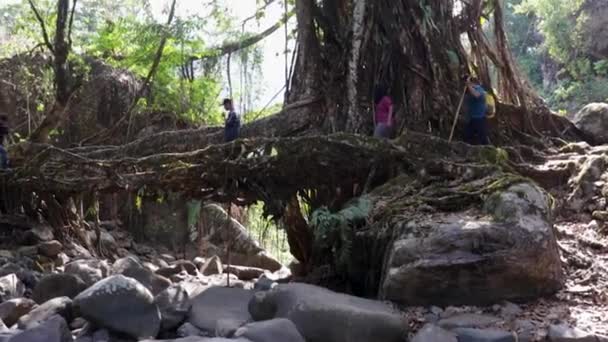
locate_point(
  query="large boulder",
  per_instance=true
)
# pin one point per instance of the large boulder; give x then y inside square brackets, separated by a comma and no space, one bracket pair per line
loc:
[130,267]
[220,311]
[55,329]
[120,304]
[592,120]
[506,252]
[89,270]
[57,285]
[57,306]
[322,315]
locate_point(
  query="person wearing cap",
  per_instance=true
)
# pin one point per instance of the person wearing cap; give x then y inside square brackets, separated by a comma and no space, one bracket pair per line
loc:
[233,122]
[3,133]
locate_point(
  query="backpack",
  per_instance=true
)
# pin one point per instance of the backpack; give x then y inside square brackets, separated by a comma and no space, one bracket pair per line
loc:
[490,106]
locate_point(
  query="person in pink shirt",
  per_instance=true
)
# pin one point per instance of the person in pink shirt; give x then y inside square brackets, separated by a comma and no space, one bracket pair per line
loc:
[383,114]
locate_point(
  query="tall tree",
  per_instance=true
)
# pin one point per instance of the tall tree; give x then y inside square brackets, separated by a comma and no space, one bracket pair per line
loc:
[414,47]
[60,49]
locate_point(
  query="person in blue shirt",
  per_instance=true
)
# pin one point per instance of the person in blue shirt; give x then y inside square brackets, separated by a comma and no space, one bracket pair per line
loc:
[476,131]
[3,133]
[233,122]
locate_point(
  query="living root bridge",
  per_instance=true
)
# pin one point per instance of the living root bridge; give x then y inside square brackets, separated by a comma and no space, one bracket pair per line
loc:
[245,171]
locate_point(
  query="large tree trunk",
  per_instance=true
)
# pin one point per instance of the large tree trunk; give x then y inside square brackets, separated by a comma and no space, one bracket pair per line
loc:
[346,47]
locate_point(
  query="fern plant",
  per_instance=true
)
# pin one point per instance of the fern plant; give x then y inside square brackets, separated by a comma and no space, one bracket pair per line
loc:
[334,232]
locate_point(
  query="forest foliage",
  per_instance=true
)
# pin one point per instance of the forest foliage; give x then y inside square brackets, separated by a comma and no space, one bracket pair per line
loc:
[126,34]
[550,43]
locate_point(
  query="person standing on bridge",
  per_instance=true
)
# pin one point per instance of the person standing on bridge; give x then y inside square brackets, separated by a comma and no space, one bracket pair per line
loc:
[383,114]
[3,133]
[476,131]
[233,122]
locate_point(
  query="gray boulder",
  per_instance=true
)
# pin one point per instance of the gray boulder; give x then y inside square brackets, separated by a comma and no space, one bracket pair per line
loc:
[11,287]
[274,330]
[484,335]
[57,285]
[57,306]
[120,304]
[174,304]
[50,248]
[565,333]
[431,333]
[220,310]
[89,270]
[178,267]
[592,120]
[325,316]
[187,329]
[130,267]
[54,329]
[12,310]
[507,252]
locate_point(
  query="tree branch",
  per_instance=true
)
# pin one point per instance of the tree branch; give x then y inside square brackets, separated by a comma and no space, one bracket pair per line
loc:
[71,23]
[45,35]
[152,72]
[232,47]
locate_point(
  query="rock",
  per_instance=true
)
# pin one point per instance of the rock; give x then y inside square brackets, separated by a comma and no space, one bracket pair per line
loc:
[129,267]
[3,327]
[57,285]
[62,259]
[510,255]
[12,310]
[212,266]
[319,314]
[199,262]
[120,304]
[220,304]
[510,310]
[57,306]
[167,257]
[174,304]
[468,320]
[431,333]
[264,284]
[565,333]
[6,254]
[28,251]
[178,267]
[90,270]
[275,330]
[187,329]
[484,335]
[54,329]
[150,266]
[9,268]
[592,120]
[11,287]
[244,273]
[76,251]
[37,234]
[78,323]
[50,248]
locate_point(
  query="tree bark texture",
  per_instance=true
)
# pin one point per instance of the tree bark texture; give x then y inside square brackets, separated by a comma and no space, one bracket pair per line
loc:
[412,47]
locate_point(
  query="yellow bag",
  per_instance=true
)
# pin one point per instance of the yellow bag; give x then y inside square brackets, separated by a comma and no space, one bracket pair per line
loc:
[490,106]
